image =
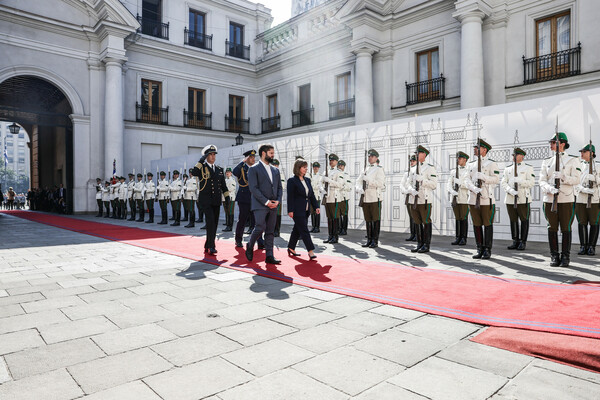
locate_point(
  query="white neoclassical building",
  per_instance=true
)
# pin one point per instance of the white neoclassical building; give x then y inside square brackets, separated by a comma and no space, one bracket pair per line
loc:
[103,83]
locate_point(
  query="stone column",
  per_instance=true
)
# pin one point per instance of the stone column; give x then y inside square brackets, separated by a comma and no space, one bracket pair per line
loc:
[364,86]
[113,116]
[471,13]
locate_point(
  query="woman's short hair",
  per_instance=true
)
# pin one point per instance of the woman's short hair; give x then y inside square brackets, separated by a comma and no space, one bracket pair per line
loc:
[299,164]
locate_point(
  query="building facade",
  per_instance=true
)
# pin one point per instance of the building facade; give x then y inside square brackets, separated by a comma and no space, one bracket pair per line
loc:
[152,79]
[15,150]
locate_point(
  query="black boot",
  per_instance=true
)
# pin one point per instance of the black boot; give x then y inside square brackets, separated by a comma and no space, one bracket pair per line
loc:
[565,256]
[457,235]
[150,217]
[524,234]
[329,231]
[277,226]
[554,255]
[514,233]
[185,215]
[200,216]
[419,229]
[488,239]
[228,223]
[426,238]
[313,223]
[177,218]
[413,231]
[375,232]
[478,231]
[192,218]
[593,240]
[464,232]
[132,218]
[142,215]
[163,220]
[583,239]
[369,234]
[335,231]
[318,221]
[174,214]
[107,213]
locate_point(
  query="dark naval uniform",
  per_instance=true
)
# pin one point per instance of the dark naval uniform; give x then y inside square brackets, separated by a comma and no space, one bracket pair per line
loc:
[243,197]
[211,185]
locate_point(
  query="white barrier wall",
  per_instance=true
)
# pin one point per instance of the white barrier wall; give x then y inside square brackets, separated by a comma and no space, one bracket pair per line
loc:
[443,135]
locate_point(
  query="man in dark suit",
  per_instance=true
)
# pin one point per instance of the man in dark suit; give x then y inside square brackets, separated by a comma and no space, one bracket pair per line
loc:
[264,182]
[211,185]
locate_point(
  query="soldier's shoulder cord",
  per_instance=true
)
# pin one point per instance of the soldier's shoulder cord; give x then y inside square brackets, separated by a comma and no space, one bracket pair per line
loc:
[243,181]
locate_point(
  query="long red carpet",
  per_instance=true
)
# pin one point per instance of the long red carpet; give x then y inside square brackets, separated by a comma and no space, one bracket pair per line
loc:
[487,300]
[579,352]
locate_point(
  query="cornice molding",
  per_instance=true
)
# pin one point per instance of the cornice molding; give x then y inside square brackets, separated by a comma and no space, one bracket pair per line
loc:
[469,9]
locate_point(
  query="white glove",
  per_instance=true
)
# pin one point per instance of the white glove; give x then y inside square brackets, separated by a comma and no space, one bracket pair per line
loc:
[588,177]
[359,190]
[418,177]
[475,189]
[557,175]
[553,190]
[453,192]
[482,176]
[411,190]
[512,192]
[514,180]
[322,190]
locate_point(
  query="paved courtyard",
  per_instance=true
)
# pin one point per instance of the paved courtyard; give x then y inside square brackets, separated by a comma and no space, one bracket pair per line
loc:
[84,317]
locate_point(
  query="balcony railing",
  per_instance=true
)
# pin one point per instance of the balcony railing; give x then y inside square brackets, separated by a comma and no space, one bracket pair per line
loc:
[237,125]
[271,124]
[153,28]
[237,50]
[422,92]
[197,39]
[197,120]
[151,115]
[548,67]
[341,109]
[303,117]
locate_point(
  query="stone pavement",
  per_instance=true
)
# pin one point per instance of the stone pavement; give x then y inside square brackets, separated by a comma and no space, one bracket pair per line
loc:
[83,317]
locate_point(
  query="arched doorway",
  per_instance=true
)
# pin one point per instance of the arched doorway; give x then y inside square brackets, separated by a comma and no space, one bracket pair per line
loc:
[43,110]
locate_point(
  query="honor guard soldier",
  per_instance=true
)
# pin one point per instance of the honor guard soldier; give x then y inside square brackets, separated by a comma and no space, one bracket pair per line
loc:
[423,181]
[190,195]
[333,197]
[243,195]
[175,188]
[316,183]
[163,197]
[130,199]
[231,182]
[114,195]
[123,193]
[404,188]
[99,196]
[211,186]
[560,185]
[138,197]
[106,199]
[518,208]
[482,204]
[149,195]
[587,207]
[346,190]
[184,180]
[277,231]
[373,181]
[460,198]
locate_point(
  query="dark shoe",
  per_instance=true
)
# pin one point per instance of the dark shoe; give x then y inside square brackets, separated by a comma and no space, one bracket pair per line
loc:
[514,233]
[176,223]
[239,244]
[554,259]
[554,255]
[212,251]
[565,259]
[457,235]
[141,219]
[292,253]
[565,256]
[478,231]
[369,234]
[593,240]
[150,219]
[420,230]
[591,251]
[249,253]
[329,230]
[190,224]
[524,235]
[272,260]
[464,231]
[313,257]
[583,239]
[261,246]
[427,230]
[486,254]
[424,248]
[522,245]
[203,227]
[375,234]
[488,240]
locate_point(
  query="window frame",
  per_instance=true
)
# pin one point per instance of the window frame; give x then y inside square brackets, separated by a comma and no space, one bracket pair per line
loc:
[194,108]
[348,86]
[196,13]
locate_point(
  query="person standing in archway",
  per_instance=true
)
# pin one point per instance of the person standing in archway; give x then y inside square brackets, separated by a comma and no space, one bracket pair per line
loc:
[98,196]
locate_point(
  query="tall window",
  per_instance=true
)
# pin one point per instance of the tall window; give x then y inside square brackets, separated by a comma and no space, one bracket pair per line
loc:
[272,106]
[152,10]
[304,97]
[197,22]
[342,87]
[553,35]
[236,34]
[428,68]
[196,101]
[236,113]
[151,99]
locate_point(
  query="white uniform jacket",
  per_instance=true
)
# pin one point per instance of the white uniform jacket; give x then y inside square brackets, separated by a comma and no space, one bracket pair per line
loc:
[190,189]
[150,190]
[374,177]
[426,186]
[130,186]
[584,183]
[99,189]
[175,188]
[335,182]
[490,170]
[317,182]
[463,191]
[114,191]
[137,190]
[106,193]
[163,190]
[571,175]
[525,181]
[231,183]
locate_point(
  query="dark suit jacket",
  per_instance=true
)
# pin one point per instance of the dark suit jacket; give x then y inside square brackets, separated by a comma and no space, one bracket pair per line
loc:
[240,171]
[262,188]
[297,200]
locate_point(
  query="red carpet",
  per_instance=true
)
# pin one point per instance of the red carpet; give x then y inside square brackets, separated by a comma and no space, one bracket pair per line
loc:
[578,352]
[566,309]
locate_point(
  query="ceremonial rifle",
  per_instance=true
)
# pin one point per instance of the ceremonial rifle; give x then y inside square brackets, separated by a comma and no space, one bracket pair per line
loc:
[516,173]
[456,188]
[406,201]
[591,172]
[145,179]
[417,172]
[326,186]
[479,183]
[156,188]
[556,168]
[364,183]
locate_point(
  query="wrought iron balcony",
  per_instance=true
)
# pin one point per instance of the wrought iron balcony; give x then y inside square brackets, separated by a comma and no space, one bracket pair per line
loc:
[197,120]
[237,125]
[422,92]
[303,117]
[154,28]
[341,109]
[271,124]
[552,66]
[197,39]
[237,50]
[151,115]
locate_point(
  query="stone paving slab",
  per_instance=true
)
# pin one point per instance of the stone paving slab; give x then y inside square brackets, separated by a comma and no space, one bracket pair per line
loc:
[130,391]
[50,294]
[141,316]
[132,338]
[148,300]
[387,391]
[106,295]
[396,312]
[76,329]
[248,312]
[367,323]
[55,385]
[194,323]
[195,348]
[4,374]
[304,317]
[33,320]
[346,305]
[442,329]
[11,310]
[323,338]
[289,302]
[94,309]
[50,304]
[254,332]
[21,340]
